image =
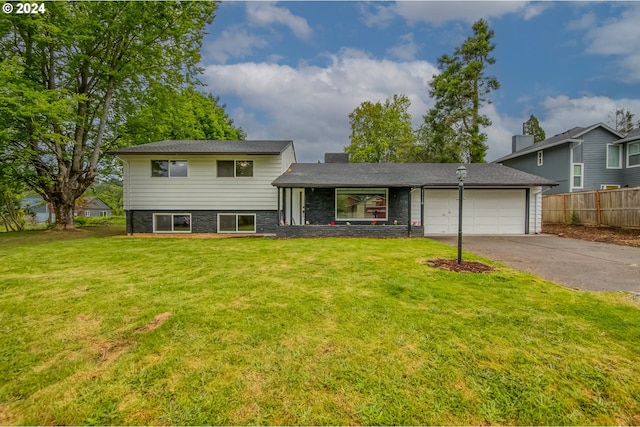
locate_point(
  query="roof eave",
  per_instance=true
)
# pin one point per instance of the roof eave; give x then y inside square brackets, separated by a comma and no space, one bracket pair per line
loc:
[531,151]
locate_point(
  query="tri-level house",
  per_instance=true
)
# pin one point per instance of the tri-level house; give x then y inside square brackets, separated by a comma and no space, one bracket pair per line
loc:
[595,157]
[257,187]
[203,186]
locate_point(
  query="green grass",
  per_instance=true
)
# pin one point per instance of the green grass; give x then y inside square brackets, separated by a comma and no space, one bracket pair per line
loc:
[318,331]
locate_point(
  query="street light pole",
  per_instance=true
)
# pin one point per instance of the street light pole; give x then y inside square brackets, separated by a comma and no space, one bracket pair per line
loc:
[461,174]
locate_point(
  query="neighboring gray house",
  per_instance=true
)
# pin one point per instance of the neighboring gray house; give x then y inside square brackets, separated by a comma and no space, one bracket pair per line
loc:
[257,187]
[583,158]
[92,206]
[630,149]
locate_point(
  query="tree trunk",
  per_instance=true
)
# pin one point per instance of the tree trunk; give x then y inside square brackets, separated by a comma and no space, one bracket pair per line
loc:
[64,217]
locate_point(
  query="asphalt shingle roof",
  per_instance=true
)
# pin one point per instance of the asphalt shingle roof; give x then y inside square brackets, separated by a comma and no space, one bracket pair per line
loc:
[404,175]
[206,147]
[634,135]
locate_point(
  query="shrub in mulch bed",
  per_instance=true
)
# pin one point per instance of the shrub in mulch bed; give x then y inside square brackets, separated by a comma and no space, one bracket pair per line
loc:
[464,267]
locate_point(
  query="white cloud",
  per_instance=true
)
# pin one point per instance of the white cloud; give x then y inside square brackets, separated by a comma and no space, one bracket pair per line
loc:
[586,21]
[439,12]
[563,113]
[621,37]
[311,104]
[265,14]
[406,49]
[234,42]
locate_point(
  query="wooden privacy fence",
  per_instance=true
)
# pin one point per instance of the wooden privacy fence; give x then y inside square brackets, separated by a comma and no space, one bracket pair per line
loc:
[617,208]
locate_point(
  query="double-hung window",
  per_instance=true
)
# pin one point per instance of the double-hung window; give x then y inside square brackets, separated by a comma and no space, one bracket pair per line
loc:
[540,158]
[169,168]
[234,168]
[633,155]
[577,175]
[614,156]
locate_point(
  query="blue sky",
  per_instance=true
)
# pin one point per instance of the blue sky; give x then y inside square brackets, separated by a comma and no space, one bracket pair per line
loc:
[295,70]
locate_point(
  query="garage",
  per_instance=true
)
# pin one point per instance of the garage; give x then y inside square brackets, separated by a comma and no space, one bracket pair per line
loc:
[485,211]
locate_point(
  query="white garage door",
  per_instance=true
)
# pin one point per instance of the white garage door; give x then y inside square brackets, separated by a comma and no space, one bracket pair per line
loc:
[483,212]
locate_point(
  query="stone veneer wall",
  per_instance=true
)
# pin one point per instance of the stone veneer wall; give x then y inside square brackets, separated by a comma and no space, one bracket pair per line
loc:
[380,231]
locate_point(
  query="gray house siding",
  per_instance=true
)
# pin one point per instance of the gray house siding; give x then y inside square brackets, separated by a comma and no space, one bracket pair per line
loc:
[594,157]
[630,176]
[555,166]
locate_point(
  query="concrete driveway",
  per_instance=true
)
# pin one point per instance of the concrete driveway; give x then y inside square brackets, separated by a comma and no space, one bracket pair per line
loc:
[574,263]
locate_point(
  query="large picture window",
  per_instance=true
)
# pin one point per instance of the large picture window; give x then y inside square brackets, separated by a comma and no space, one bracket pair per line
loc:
[169,168]
[172,223]
[633,154]
[236,223]
[361,204]
[235,168]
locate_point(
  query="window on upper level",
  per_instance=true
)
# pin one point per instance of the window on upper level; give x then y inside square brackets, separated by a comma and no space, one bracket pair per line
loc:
[169,168]
[540,158]
[235,168]
[577,175]
[614,156]
[633,155]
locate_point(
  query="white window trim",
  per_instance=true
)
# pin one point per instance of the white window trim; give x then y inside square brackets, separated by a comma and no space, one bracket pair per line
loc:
[628,155]
[540,158]
[335,205]
[236,215]
[169,169]
[234,169]
[581,176]
[619,147]
[172,213]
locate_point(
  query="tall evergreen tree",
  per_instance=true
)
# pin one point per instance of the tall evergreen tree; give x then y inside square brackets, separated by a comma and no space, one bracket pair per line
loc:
[460,91]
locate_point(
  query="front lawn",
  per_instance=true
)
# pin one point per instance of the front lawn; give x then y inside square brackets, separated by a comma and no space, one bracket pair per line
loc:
[108,330]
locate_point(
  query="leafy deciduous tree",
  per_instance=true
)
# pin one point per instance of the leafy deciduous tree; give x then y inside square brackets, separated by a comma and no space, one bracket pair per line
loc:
[623,120]
[381,132]
[71,75]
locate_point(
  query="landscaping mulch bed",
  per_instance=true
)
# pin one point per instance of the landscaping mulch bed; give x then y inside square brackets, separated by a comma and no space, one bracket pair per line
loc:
[613,235]
[463,267]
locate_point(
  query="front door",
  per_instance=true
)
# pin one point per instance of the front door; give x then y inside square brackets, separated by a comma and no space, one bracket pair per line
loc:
[297,211]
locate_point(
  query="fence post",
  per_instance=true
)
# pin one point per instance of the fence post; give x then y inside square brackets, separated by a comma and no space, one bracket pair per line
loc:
[598,207]
[564,208]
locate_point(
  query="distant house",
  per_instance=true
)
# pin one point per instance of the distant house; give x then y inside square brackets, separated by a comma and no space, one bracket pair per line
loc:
[41,211]
[257,187]
[92,206]
[37,209]
[595,157]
